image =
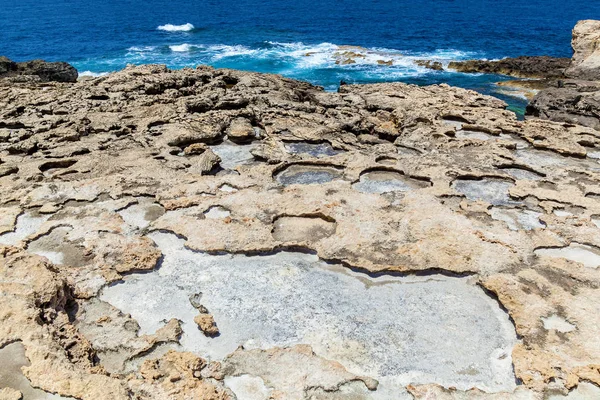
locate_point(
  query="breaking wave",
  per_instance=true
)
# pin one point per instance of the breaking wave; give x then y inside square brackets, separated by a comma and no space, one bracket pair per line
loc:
[325,64]
[181,48]
[176,28]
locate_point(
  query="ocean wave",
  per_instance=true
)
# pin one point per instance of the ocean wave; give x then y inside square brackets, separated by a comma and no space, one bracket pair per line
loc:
[141,49]
[182,48]
[176,28]
[324,63]
[300,55]
[224,51]
[92,74]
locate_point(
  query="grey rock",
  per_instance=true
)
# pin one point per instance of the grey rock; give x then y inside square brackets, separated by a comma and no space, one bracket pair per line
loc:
[574,102]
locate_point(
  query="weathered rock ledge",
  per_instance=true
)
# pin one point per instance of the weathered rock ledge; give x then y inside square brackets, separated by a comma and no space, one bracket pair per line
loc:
[156,171]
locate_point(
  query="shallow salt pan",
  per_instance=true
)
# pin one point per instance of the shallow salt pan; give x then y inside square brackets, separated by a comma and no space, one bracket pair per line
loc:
[587,255]
[301,174]
[387,181]
[141,214]
[518,219]
[233,155]
[547,159]
[312,149]
[520,173]
[493,191]
[558,323]
[27,224]
[397,330]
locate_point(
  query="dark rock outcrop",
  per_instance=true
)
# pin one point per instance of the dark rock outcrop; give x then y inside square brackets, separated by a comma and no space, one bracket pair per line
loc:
[45,71]
[541,67]
[575,101]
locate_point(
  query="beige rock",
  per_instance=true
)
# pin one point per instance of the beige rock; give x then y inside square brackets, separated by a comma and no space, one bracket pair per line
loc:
[586,48]
[206,323]
[240,130]
[10,394]
[444,161]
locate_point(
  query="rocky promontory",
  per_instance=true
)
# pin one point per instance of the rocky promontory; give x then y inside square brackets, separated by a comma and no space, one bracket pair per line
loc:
[218,234]
[37,70]
[575,99]
[542,67]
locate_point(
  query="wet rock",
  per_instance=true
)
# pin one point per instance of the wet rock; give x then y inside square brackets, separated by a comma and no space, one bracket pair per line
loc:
[575,100]
[542,67]
[430,64]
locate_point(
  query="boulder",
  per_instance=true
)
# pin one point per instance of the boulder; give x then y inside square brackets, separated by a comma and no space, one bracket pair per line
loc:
[430,64]
[586,51]
[240,130]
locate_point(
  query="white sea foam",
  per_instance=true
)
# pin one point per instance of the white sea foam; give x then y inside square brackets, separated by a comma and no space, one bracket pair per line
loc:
[223,51]
[301,56]
[92,74]
[176,28]
[141,49]
[181,48]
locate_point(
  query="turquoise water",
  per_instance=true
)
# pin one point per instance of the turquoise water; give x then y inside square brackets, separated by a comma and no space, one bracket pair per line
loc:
[298,38]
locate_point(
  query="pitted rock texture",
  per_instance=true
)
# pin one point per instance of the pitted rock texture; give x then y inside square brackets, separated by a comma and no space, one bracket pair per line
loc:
[453,185]
[586,49]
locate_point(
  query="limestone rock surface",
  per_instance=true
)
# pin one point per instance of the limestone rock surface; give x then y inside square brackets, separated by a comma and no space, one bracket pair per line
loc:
[379,183]
[586,48]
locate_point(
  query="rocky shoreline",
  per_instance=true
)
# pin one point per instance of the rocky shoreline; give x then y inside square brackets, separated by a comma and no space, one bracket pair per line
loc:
[219,234]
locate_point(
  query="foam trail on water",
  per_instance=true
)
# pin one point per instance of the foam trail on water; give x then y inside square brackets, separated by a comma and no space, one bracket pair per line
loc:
[176,28]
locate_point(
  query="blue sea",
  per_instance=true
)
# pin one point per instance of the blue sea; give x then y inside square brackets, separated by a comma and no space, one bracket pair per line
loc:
[297,38]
